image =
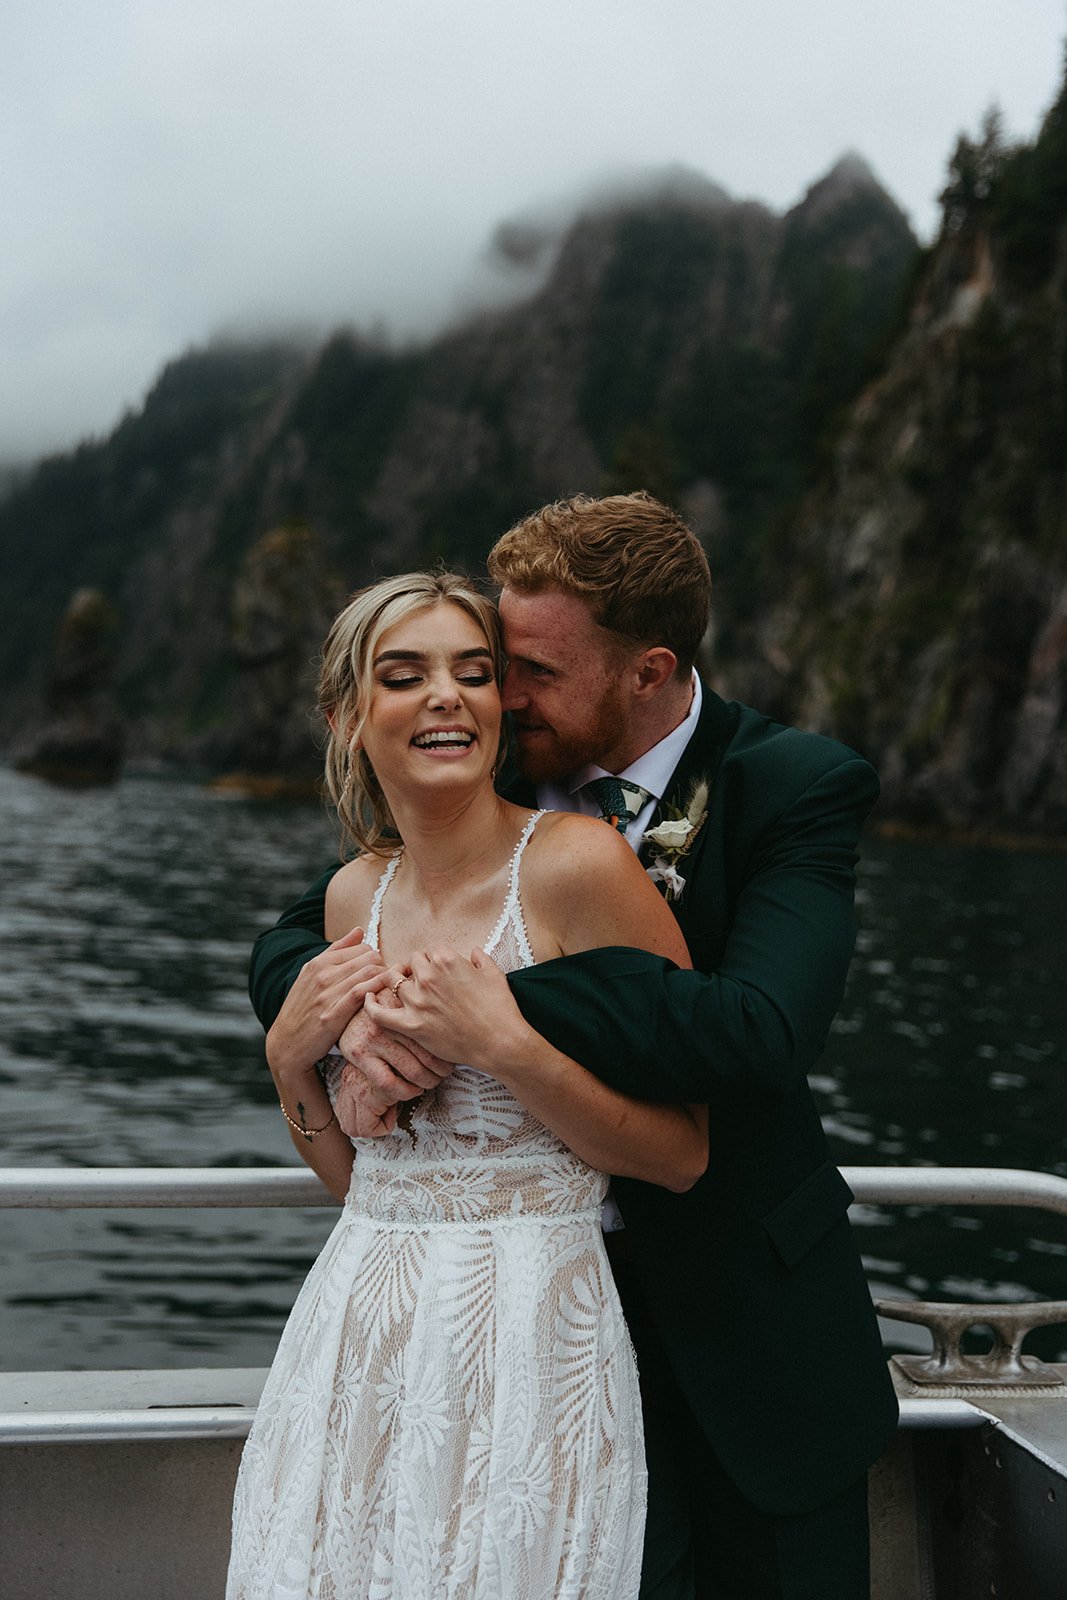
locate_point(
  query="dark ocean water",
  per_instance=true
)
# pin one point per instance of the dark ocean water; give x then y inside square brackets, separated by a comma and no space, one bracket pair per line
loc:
[126,1039]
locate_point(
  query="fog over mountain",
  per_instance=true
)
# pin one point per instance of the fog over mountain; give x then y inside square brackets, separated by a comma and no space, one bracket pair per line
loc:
[669,338]
[183,169]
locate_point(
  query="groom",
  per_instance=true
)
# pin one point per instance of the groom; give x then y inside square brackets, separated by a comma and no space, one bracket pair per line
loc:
[765,1390]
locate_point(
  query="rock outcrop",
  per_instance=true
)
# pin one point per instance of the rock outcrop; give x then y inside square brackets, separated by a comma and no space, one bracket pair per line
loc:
[285,597]
[81,739]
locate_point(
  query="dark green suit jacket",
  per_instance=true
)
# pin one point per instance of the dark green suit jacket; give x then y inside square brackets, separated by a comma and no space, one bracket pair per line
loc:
[752,1278]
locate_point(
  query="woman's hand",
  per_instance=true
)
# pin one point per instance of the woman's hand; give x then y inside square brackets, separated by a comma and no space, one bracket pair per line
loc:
[322,1002]
[460,1009]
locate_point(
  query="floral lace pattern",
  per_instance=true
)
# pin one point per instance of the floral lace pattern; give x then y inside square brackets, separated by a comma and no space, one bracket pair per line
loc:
[453,1411]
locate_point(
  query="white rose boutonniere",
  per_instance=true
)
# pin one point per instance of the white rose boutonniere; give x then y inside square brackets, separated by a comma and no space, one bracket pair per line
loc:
[673,838]
[672,834]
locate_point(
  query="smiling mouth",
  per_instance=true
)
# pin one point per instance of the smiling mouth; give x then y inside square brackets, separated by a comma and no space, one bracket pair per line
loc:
[455,739]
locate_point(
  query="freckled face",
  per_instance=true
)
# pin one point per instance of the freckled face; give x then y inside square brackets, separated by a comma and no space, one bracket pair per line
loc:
[434,715]
[563,685]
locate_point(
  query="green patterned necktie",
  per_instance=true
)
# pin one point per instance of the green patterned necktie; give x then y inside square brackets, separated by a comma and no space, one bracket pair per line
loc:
[619,802]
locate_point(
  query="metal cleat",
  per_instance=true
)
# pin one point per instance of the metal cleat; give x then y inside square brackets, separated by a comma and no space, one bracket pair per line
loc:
[1001,1366]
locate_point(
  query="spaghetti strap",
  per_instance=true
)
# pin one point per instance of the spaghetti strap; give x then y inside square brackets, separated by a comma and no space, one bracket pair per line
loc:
[384,881]
[509,942]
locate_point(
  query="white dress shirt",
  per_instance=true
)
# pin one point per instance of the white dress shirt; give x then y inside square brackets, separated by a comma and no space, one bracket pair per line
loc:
[652,771]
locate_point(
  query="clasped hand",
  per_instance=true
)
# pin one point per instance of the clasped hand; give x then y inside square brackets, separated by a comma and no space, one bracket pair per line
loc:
[324,1009]
[400,1029]
[457,1008]
[326,994]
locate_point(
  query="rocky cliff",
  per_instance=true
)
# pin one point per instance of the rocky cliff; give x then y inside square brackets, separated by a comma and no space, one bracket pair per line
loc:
[681,341]
[923,608]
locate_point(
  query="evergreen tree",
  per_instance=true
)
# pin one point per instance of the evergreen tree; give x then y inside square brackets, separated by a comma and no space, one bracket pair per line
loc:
[974,172]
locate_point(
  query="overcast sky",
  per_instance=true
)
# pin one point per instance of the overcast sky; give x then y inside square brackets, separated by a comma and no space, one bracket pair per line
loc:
[173,168]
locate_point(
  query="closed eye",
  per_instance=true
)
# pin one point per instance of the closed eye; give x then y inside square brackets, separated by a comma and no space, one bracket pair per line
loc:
[534,669]
[409,680]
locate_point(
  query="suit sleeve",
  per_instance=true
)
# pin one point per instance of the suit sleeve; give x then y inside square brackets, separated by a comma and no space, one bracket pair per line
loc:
[280,952]
[760,1018]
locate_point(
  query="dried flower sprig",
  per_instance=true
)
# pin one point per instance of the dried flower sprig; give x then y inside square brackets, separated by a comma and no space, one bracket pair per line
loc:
[673,838]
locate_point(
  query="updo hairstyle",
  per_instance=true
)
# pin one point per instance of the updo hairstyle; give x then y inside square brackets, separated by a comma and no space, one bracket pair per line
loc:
[346,682]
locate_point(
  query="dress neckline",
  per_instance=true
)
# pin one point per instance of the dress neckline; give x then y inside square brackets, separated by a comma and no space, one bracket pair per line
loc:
[510,911]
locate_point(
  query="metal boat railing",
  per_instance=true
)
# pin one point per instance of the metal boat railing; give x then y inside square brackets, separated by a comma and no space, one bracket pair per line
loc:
[134,1425]
[957,1186]
[60,1188]
[63,1188]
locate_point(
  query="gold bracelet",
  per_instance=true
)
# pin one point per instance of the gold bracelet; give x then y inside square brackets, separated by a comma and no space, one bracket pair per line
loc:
[309,1133]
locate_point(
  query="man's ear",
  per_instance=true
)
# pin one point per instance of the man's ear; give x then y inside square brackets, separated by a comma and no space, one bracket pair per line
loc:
[654,669]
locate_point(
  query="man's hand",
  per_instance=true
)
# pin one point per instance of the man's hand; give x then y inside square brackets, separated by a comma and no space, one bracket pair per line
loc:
[381,1070]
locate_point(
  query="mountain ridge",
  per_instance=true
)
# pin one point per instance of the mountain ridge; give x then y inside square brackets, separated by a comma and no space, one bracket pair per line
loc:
[925,614]
[813,390]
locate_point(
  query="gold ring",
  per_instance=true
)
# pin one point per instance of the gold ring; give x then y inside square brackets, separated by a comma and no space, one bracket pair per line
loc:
[404,976]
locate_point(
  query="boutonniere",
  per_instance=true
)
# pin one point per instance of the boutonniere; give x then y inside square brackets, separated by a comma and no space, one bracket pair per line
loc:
[673,838]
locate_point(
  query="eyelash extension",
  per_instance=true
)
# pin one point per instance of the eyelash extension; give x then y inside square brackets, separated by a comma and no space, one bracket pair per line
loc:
[473,682]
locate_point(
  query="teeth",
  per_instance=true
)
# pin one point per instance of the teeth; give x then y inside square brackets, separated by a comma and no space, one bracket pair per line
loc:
[424,739]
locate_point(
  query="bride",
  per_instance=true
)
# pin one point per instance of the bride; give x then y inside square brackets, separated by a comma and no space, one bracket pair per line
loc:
[453,1409]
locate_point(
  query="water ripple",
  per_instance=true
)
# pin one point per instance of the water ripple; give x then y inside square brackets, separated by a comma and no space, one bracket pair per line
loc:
[126,1038]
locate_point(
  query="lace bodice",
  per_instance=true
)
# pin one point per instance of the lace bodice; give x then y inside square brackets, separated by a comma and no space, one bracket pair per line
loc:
[473,1151]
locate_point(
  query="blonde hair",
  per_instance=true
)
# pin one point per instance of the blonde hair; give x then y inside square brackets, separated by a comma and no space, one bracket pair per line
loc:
[346,681]
[635,562]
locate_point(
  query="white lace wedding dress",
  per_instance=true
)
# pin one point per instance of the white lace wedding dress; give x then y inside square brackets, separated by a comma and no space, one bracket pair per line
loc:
[453,1410]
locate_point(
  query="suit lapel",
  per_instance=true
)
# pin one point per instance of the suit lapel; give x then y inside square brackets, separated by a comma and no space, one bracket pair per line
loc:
[701,758]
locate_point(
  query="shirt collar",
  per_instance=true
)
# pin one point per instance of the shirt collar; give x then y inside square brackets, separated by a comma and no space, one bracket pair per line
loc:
[654,769]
